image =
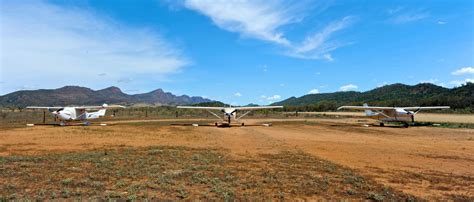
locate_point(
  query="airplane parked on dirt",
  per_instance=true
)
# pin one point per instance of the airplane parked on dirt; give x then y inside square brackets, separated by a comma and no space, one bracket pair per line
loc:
[68,114]
[230,112]
[392,114]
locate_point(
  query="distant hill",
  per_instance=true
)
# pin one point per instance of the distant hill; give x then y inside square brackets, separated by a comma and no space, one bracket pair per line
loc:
[75,95]
[460,98]
[211,104]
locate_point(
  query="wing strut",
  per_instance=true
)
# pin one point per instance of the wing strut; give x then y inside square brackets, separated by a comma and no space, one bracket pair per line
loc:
[214,114]
[247,112]
[381,112]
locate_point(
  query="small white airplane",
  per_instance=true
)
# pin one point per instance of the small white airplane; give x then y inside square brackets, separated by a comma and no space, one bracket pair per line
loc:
[392,114]
[230,112]
[68,114]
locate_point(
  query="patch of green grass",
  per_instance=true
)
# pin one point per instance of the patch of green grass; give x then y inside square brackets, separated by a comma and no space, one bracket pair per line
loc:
[457,125]
[375,196]
[66,181]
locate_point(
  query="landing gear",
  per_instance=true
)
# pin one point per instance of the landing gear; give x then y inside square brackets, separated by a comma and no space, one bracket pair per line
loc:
[243,124]
[216,123]
[405,125]
[382,124]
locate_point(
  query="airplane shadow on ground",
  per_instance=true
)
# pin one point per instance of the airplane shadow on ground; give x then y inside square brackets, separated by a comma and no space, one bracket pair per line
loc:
[378,126]
[75,124]
[218,126]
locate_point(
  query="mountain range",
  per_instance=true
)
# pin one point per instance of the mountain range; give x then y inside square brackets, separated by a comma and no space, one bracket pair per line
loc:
[75,95]
[424,94]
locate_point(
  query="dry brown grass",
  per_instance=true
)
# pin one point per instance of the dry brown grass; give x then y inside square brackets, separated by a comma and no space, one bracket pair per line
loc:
[183,173]
[427,162]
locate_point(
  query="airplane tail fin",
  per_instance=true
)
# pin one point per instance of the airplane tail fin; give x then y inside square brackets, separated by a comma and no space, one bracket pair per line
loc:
[101,112]
[368,112]
[97,114]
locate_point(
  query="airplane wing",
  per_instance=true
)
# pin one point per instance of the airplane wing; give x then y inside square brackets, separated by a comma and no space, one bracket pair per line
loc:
[198,107]
[104,106]
[365,108]
[35,107]
[258,108]
[420,108]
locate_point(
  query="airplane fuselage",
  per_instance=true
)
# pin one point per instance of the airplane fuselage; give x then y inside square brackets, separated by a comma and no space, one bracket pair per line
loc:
[65,114]
[229,113]
[397,115]
[74,114]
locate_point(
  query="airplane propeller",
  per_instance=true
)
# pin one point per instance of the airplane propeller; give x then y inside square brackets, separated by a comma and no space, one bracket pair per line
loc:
[56,114]
[412,115]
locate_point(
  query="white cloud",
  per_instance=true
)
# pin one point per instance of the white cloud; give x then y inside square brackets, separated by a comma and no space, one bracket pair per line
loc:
[270,98]
[313,91]
[49,46]
[237,94]
[441,22]
[461,82]
[264,20]
[257,19]
[409,17]
[318,46]
[348,87]
[463,71]
[382,84]
[124,80]
[432,81]
[402,16]
[264,67]
[273,98]
[394,10]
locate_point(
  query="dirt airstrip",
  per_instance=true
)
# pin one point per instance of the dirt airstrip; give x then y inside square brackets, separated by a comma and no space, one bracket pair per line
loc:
[426,162]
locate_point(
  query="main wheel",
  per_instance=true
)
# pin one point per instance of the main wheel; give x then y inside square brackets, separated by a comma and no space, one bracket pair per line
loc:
[405,125]
[243,124]
[382,124]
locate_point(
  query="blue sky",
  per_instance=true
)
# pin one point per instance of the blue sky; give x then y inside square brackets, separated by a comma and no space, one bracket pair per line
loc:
[238,52]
